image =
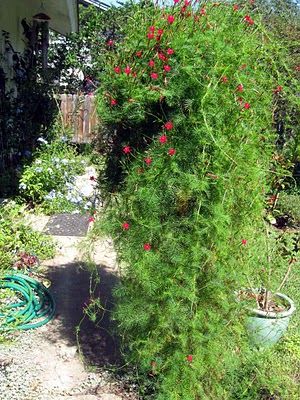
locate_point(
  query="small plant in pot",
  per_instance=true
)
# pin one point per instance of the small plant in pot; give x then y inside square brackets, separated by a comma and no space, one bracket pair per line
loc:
[269,311]
[269,316]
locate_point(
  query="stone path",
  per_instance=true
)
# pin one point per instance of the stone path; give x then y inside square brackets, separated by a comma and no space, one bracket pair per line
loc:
[46,363]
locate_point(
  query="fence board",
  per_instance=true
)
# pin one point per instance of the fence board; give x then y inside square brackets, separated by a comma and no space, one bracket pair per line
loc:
[79,114]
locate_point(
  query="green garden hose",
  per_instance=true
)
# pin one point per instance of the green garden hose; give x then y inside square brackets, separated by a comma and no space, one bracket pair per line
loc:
[33,308]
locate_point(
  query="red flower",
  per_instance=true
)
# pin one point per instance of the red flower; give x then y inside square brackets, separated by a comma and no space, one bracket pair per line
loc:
[189,358]
[147,246]
[91,219]
[151,28]
[235,7]
[170,51]
[154,75]
[150,35]
[134,74]
[248,19]
[247,106]
[171,152]
[224,79]
[278,89]
[151,63]
[139,54]
[117,70]
[167,68]
[92,178]
[148,160]
[160,32]
[244,242]
[126,149]
[297,68]
[171,19]
[125,226]
[110,42]
[169,125]
[158,37]
[161,56]
[176,1]
[187,2]
[163,139]
[127,70]
[113,102]
[240,88]
[202,11]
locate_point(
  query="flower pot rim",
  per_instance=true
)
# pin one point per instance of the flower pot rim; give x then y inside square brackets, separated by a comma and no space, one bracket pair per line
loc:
[276,315]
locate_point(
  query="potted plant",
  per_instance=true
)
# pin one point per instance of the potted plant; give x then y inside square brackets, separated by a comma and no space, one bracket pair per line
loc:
[269,316]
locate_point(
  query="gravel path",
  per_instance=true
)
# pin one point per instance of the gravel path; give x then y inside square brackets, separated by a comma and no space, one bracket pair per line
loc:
[45,364]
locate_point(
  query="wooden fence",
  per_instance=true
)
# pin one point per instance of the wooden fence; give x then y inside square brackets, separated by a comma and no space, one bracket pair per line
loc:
[79,114]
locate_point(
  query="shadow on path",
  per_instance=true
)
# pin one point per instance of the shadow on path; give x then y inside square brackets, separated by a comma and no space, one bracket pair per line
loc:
[71,291]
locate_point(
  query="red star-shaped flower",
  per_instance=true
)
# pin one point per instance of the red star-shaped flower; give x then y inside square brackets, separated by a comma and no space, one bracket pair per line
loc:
[278,89]
[151,63]
[125,226]
[148,160]
[127,70]
[154,75]
[172,152]
[139,54]
[113,102]
[117,70]
[169,125]
[247,106]
[244,242]
[170,51]
[163,139]
[91,219]
[167,68]
[248,20]
[189,358]
[147,246]
[126,149]
[170,19]
[240,88]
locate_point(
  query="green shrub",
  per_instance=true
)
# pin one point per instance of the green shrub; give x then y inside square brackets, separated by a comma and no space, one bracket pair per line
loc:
[17,237]
[48,181]
[289,205]
[187,108]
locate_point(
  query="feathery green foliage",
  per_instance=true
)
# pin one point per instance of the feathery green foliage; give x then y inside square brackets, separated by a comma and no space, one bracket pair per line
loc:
[190,137]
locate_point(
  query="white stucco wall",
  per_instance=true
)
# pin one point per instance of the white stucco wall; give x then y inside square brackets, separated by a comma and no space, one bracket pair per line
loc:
[63,14]
[64,19]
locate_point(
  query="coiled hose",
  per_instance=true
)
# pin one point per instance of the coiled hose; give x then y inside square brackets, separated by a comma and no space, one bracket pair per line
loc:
[35,305]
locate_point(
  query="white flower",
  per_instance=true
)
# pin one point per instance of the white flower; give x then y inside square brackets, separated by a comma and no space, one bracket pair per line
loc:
[42,140]
[38,169]
[22,186]
[50,170]
[38,161]
[64,161]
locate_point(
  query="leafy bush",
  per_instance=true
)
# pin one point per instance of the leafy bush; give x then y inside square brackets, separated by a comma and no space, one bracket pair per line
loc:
[187,104]
[17,237]
[289,205]
[49,181]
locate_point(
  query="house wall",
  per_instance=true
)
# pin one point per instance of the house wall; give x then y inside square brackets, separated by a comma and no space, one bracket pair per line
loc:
[64,19]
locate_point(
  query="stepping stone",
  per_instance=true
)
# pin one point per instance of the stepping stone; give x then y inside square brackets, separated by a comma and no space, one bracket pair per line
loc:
[67,225]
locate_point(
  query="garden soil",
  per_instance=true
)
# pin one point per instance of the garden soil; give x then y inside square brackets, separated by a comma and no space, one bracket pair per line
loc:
[59,361]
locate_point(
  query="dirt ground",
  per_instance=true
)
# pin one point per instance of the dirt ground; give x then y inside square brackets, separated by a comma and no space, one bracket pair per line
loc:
[67,363]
